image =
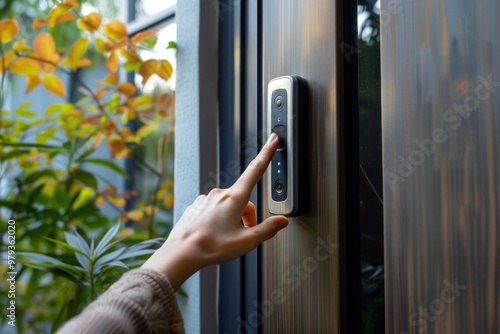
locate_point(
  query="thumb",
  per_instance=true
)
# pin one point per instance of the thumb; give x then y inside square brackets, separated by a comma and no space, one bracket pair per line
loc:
[268,228]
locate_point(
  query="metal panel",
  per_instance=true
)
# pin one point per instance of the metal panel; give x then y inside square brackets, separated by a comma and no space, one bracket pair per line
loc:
[301,265]
[441,137]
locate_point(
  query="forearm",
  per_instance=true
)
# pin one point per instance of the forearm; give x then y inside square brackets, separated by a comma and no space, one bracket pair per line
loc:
[142,301]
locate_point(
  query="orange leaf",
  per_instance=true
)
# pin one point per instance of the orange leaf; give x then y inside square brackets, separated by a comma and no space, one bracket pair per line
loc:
[142,36]
[117,146]
[99,200]
[94,120]
[56,12]
[84,62]
[90,22]
[8,30]
[24,66]
[126,88]
[72,3]
[38,23]
[109,190]
[31,82]
[168,201]
[111,79]
[116,200]
[135,215]
[6,59]
[53,84]
[75,53]
[147,69]
[164,69]
[115,30]
[112,62]
[65,17]
[100,93]
[45,50]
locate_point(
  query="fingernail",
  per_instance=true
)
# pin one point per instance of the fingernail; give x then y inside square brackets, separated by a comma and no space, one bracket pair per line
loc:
[272,138]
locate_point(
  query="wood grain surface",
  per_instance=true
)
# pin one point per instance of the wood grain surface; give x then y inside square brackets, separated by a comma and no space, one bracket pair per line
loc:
[301,265]
[441,143]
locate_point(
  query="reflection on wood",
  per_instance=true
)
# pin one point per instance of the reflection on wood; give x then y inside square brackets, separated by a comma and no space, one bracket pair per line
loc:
[441,135]
[301,265]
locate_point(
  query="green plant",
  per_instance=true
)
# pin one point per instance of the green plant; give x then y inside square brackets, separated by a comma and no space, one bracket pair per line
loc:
[48,162]
[93,268]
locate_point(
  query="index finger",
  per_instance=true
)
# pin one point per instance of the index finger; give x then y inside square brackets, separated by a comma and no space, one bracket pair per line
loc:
[257,167]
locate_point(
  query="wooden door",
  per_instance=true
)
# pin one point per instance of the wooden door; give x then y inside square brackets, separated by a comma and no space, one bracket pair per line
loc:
[441,142]
[305,281]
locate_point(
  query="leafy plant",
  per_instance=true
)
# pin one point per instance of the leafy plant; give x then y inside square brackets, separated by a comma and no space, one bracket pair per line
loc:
[51,173]
[95,265]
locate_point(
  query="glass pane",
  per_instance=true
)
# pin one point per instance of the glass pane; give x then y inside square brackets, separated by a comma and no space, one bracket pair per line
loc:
[370,140]
[145,8]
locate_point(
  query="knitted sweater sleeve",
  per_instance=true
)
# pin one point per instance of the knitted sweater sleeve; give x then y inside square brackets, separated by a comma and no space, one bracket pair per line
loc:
[142,301]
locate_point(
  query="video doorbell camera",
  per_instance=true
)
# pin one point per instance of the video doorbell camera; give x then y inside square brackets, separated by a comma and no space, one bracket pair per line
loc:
[287,116]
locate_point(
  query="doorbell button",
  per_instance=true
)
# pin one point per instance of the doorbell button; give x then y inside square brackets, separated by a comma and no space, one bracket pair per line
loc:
[280,130]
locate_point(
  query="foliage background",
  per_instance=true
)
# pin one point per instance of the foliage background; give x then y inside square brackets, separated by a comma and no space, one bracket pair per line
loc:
[76,231]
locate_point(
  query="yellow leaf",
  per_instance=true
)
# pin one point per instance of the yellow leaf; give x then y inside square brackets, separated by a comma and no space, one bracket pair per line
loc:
[116,200]
[164,69]
[32,81]
[45,50]
[38,23]
[142,36]
[132,57]
[126,88]
[75,53]
[115,30]
[24,66]
[149,210]
[135,215]
[167,185]
[6,59]
[20,46]
[90,22]
[8,30]
[53,84]
[112,62]
[56,12]
[85,195]
[100,45]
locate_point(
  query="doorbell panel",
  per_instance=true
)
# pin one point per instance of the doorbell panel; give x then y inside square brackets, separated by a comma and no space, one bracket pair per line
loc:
[287,116]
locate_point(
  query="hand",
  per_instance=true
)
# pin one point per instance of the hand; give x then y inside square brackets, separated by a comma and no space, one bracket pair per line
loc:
[210,230]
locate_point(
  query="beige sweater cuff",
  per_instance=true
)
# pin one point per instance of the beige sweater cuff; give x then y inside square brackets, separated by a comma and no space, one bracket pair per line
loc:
[142,301]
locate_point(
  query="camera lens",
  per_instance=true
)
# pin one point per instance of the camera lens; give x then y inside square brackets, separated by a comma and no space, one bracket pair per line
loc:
[278,102]
[279,186]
